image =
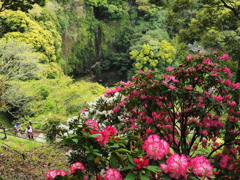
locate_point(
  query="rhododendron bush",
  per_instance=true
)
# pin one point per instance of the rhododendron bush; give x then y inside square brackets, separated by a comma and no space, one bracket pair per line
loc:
[182,126]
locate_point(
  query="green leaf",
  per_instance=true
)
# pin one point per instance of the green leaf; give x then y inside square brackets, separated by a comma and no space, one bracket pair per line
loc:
[131,176]
[129,167]
[86,147]
[90,157]
[144,176]
[130,159]
[123,150]
[93,135]
[113,162]
[75,140]
[153,168]
[114,146]
[97,154]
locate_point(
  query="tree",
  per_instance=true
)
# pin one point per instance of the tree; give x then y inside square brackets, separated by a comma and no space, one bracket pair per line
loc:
[214,24]
[18,61]
[144,58]
[2,90]
[23,5]
[17,25]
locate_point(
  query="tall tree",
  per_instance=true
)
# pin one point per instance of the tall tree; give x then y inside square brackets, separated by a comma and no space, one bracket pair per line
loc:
[215,24]
[23,5]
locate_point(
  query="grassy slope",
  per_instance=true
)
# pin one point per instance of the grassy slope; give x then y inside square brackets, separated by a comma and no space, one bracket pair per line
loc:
[39,158]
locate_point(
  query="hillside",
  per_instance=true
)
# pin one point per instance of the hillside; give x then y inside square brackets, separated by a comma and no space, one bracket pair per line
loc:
[24,159]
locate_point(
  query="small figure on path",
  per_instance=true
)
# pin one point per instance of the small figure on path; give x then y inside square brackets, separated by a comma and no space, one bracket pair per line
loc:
[18,129]
[29,132]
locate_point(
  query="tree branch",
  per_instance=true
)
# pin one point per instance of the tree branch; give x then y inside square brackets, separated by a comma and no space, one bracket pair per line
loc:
[235,12]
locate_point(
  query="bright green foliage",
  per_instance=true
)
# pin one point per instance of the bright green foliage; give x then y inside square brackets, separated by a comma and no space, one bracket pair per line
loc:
[16,25]
[144,58]
[95,2]
[167,52]
[59,96]
[19,61]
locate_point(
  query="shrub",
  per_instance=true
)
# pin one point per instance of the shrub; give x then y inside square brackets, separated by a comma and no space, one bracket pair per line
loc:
[151,128]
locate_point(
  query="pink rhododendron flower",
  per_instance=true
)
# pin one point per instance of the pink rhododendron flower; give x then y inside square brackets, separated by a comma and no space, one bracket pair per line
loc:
[143,97]
[136,92]
[228,82]
[115,109]
[76,166]
[236,86]
[195,147]
[189,57]
[176,165]
[207,61]
[234,151]
[225,56]
[141,162]
[172,87]
[84,110]
[99,177]
[112,131]
[103,138]
[53,173]
[113,174]
[204,132]
[201,166]
[231,103]
[133,126]
[155,148]
[112,91]
[227,71]
[189,87]
[148,131]
[93,125]
[169,68]
[218,98]
[125,83]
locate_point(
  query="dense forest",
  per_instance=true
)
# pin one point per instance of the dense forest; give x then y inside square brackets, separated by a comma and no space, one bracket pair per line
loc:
[56,55]
[134,89]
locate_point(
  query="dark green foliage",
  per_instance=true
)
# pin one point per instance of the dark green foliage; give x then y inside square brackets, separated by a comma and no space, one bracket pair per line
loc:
[23,5]
[50,128]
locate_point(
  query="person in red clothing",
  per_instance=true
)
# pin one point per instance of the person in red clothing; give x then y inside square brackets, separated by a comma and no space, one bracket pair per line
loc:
[29,132]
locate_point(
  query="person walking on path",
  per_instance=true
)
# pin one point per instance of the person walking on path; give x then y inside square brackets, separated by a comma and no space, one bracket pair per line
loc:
[29,132]
[18,129]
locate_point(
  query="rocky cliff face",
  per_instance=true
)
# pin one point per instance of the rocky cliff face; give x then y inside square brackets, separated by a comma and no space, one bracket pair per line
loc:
[89,37]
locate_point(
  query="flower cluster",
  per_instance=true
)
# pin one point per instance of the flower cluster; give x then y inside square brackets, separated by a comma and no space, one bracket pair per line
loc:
[170,120]
[76,168]
[141,162]
[155,147]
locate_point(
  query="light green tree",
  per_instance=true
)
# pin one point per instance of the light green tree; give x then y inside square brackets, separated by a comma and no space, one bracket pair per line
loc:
[144,59]
[17,25]
[19,61]
[167,52]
